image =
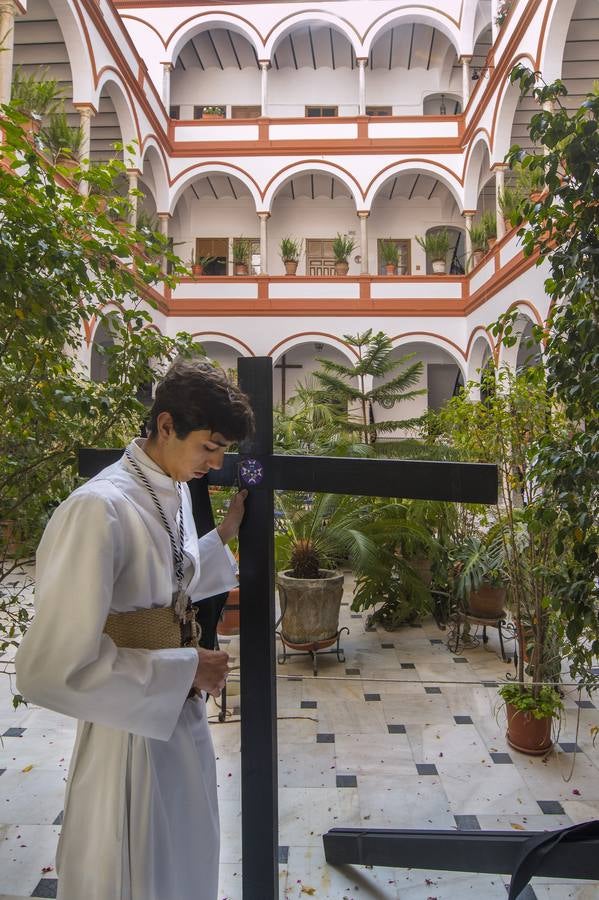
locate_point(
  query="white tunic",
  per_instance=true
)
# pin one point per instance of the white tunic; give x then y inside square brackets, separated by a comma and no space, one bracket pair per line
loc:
[141,814]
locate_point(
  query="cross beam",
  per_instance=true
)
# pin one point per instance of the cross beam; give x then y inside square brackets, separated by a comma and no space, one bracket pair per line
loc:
[409,479]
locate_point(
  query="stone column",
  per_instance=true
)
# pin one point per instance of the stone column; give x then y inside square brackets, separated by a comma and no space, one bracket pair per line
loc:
[499,187]
[465,81]
[7,36]
[132,175]
[164,219]
[468,216]
[362,86]
[167,68]
[264,65]
[363,216]
[86,113]
[264,217]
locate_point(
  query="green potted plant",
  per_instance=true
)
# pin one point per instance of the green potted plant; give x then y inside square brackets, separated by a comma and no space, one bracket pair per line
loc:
[290,252]
[510,203]
[478,242]
[213,112]
[62,141]
[35,96]
[489,222]
[343,247]
[480,577]
[436,246]
[242,248]
[198,263]
[390,256]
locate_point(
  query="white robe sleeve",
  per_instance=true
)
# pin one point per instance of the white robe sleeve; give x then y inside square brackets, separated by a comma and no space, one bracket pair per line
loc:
[65,662]
[216,568]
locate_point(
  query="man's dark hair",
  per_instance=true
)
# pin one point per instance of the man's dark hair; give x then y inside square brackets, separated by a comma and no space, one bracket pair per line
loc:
[199,396]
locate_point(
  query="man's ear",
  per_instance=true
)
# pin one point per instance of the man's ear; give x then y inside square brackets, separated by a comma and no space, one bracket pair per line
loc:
[165,424]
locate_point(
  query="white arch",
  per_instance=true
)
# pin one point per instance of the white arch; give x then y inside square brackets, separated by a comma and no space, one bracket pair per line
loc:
[77,52]
[203,22]
[422,15]
[472,174]
[480,351]
[505,110]
[411,167]
[316,165]
[152,155]
[508,356]
[434,340]
[311,17]
[552,53]
[227,340]
[312,337]
[114,86]
[200,169]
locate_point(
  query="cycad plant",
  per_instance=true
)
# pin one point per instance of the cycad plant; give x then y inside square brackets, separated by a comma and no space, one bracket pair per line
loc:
[35,94]
[345,387]
[61,141]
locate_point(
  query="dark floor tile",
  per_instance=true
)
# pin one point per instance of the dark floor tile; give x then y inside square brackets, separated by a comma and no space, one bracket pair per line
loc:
[462,720]
[14,732]
[585,704]
[345,603]
[396,729]
[407,665]
[347,781]
[371,697]
[569,748]
[2,771]
[502,759]
[352,671]
[460,659]
[59,818]
[433,690]
[309,704]
[46,887]
[284,855]
[426,769]
[551,807]
[325,738]
[467,823]
[387,646]
[436,641]
[356,615]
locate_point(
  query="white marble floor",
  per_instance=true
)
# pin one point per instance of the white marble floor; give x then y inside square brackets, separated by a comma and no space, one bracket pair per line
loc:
[402,734]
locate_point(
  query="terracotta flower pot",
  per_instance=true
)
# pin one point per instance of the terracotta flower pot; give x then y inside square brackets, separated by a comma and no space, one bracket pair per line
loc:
[197,270]
[240,269]
[491,243]
[487,602]
[477,256]
[390,269]
[341,268]
[229,622]
[290,266]
[527,734]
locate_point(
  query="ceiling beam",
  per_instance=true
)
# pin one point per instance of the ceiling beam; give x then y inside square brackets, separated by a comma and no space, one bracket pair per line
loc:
[411,45]
[232,188]
[211,186]
[411,194]
[235,54]
[393,187]
[430,50]
[391,49]
[211,39]
[291,44]
[332,47]
[199,58]
[312,47]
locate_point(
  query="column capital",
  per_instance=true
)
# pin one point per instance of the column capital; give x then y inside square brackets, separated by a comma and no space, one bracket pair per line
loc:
[164,216]
[363,213]
[499,167]
[167,65]
[361,60]
[465,58]
[469,212]
[264,63]
[263,215]
[86,110]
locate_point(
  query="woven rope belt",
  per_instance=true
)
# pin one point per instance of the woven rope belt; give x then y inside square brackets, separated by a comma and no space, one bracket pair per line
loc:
[149,629]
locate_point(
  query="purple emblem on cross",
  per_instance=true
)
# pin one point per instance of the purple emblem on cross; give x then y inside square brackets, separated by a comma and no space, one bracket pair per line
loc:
[251,472]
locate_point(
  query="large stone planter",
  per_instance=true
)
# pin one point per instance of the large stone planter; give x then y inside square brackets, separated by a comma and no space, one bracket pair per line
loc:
[310,607]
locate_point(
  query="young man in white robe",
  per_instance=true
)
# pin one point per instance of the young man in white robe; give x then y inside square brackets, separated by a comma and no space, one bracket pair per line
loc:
[141,812]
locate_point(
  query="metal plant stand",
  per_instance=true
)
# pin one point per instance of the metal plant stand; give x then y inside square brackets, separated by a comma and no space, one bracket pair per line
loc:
[313,648]
[456,637]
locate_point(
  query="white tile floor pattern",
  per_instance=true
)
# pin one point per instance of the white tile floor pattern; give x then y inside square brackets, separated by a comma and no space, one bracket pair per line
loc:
[403,734]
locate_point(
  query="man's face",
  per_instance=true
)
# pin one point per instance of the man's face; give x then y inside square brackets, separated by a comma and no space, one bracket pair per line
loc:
[195,455]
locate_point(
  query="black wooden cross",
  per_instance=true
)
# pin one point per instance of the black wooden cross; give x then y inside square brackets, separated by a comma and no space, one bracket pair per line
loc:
[263,472]
[284,366]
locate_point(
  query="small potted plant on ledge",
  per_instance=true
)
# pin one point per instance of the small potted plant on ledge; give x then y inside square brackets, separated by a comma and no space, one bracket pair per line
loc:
[390,256]
[35,96]
[478,242]
[343,247]
[242,248]
[290,252]
[61,141]
[489,222]
[213,112]
[510,203]
[199,263]
[436,246]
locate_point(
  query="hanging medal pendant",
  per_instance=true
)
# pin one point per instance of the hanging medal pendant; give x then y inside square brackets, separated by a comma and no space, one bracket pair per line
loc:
[181,603]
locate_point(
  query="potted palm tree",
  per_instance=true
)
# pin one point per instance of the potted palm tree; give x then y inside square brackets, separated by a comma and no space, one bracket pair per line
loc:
[436,246]
[489,222]
[478,242]
[35,96]
[343,247]
[510,203]
[242,248]
[290,251]
[61,141]
[390,256]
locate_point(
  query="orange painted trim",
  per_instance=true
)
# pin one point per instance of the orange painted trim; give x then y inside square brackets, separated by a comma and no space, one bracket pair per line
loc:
[472,339]
[518,303]
[434,334]
[225,334]
[312,334]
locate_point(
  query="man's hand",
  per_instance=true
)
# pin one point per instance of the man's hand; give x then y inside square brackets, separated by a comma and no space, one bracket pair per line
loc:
[211,672]
[229,527]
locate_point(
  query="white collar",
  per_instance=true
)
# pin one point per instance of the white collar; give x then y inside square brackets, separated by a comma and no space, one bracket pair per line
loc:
[157,476]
